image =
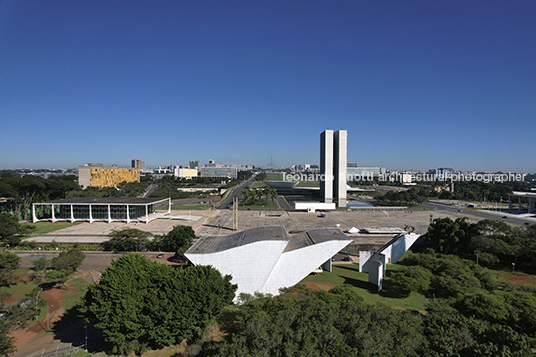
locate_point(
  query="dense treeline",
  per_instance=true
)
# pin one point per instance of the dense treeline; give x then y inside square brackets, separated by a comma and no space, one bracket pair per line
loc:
[168,185]
[23,191]
[340,323]
[463,190]
[468,288]
[139,304]
[47,274]
[178,240]
[495,244]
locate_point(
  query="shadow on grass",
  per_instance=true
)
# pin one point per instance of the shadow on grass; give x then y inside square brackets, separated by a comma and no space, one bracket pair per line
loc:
[72,328]
[352,267]
[371,288]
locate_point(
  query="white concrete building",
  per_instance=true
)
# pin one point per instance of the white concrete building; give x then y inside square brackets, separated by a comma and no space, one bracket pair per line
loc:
[266,259]
[185,172]
[333,166]
[374,263]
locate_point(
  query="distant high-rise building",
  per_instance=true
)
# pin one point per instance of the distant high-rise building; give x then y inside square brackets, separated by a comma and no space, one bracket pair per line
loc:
[333,163]
[194,165]
[97,175]
[138,164]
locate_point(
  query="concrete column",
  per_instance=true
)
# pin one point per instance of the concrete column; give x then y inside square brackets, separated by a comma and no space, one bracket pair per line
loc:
[169,206]
[53,216]
[109,214]
[90,215]
[128,215]
[510,203]
[34,217]
[519,204]
[146,214]
[72,214]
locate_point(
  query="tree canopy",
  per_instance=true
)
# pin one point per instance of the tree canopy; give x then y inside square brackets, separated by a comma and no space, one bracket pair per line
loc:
[178,240]
[140,304]
[127,240]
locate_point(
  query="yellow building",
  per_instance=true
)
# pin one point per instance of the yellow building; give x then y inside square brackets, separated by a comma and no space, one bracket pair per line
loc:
[97,175]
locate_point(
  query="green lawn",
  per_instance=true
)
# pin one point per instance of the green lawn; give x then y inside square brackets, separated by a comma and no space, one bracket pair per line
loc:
[76,291]
[349,274]
[274,177]
[307,184]
[198,206]
[46,227]
[18,291]
[263,205]
[258,184]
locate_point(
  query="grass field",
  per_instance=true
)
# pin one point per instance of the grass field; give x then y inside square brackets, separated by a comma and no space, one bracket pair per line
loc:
[18,290]
[46,227]
[258,184]
[349,274]
[307,184]
[75,292]
[274,177]
[195,206]
[263,205]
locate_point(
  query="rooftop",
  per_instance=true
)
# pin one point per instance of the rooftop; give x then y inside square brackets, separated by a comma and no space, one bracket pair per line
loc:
[107,200]
[213,244]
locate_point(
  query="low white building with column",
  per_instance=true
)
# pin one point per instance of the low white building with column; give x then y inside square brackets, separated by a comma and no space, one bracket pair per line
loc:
[103,209]
[266,259]
[529,199]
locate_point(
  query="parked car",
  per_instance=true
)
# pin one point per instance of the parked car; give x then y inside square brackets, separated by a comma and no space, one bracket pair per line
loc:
[160,256]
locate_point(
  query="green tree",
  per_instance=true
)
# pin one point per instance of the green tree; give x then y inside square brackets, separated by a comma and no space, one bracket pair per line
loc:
[7,343]
[40,264]
[9,263]
[11,230]
[412,278]
[140,304]
[127,240]
[450,237]
[68,260]
[178,240]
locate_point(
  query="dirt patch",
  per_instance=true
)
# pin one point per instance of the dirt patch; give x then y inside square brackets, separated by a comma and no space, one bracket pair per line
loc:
[318,287]
[520,278]
[32,338]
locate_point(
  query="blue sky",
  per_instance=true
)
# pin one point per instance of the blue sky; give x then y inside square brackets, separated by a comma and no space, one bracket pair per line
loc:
[417,84]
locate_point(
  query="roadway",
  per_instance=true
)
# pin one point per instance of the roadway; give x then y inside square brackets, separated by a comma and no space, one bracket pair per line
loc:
[483,214]
[237,193]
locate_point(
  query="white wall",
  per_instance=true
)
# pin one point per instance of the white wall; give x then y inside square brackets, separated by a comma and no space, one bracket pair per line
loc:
[295,265]
[249,265]
[315,205]
[364,258]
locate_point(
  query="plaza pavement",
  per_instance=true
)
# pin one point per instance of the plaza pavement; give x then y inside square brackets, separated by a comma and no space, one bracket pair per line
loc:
[220,222]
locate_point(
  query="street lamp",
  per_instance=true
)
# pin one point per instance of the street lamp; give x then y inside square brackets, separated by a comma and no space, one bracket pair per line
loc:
[85,327]
[513,267]
[36,300]
[48,317]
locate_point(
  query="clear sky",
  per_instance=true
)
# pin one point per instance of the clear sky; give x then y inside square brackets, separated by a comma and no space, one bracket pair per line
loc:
[417,84]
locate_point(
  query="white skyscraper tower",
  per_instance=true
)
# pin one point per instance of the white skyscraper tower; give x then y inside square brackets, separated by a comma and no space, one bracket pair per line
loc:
[333,162]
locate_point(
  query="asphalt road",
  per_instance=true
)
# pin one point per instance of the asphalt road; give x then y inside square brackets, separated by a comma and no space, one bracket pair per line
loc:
[237,193]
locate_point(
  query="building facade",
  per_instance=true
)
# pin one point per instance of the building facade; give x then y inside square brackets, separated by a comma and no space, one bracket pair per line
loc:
[229,172]
[138,164]
[97,175]
[333,166]
[185,173]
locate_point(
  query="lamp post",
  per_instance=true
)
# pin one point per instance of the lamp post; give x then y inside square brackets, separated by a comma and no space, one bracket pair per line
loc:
[85,329]
[36,300]
[48,317]
[513,267]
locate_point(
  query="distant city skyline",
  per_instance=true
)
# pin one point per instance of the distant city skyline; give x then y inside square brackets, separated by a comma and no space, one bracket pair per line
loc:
[417,84]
